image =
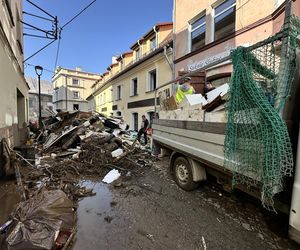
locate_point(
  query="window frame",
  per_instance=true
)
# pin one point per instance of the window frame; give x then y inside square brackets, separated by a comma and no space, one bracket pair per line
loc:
[75,79]
[155,42]
[74,96]
[119,93]
[132,92]
[222,12]
[135,122]
[201,15]
[77,104]
[138,53]
[149,89]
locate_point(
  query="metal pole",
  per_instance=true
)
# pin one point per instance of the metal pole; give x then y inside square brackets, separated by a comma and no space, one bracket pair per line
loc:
[40,106]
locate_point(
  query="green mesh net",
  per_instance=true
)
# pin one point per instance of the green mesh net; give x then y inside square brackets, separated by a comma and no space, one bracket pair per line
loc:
[257,144]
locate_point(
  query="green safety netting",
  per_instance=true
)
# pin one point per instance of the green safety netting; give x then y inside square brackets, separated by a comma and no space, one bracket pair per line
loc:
[257,144]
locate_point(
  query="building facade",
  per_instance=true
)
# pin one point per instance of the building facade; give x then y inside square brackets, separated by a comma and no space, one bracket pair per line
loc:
[14,89]
[46,98]
[206,31]
[127,87]
[71,88]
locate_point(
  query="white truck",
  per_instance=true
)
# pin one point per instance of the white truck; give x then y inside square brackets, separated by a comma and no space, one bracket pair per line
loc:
[196,149]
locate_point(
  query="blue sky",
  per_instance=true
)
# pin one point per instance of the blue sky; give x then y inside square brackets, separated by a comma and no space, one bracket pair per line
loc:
[107,28]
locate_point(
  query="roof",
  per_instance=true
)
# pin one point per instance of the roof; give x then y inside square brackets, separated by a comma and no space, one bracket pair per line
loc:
[112,65]
[46,86]
[150,32]
[124,54]
[74,70]
[160,49]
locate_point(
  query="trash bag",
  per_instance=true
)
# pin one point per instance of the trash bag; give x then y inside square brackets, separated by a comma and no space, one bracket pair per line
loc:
[39,220]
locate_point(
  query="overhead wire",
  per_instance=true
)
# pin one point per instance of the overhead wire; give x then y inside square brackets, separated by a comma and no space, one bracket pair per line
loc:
[61,29]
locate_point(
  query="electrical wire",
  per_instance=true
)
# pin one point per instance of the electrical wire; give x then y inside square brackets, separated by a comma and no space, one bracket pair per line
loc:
[72,19]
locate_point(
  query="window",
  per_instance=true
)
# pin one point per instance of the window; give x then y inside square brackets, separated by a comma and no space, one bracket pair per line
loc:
[135,121]
[198,33]
[122,64]
[134,87]
[150,118]
[153,43]
[75,106]
[224,21]
[138,54]
[152,80]
[119,113]
[104,97]
[75,94]
[111,94]
[56,94]
[75,82]
[119,94]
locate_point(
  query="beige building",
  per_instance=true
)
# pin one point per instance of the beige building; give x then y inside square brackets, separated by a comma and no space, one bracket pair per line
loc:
[206,31]
[71,87]
[14,89]
[127,88]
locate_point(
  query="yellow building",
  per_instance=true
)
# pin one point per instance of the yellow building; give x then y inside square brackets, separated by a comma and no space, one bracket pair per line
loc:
[71,88]
[127,89]
[14,89]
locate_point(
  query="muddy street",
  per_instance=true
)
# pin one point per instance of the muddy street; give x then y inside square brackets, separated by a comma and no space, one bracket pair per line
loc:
[152,212]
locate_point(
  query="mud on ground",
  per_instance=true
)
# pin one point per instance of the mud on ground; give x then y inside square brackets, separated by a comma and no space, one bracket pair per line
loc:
[150,211]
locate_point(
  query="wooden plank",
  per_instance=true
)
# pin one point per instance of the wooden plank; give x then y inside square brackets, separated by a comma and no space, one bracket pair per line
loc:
[209,127]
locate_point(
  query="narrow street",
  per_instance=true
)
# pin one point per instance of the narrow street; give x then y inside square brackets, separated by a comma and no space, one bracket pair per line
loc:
[152,212]
[149,125]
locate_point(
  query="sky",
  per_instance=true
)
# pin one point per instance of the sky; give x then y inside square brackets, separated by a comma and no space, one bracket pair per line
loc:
[105,29]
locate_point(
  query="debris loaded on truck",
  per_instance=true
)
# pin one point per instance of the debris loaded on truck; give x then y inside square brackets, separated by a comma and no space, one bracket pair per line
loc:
[240,127]
[257,144]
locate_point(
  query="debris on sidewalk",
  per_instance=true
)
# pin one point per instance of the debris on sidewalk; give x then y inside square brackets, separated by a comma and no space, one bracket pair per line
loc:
[40,220]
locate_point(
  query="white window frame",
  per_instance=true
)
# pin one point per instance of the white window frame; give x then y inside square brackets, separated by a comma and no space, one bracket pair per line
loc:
[149,79]
[193,20]
[150,41]
[214,16]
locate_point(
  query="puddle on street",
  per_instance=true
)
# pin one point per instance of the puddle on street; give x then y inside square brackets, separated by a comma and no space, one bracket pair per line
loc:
[91,212]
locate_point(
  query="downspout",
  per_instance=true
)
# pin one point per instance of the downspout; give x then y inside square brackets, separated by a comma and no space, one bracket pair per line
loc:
[174,37]
[66,93]
[156,36]
[167,58]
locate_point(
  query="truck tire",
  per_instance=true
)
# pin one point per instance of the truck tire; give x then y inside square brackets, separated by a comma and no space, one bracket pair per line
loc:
[183,174]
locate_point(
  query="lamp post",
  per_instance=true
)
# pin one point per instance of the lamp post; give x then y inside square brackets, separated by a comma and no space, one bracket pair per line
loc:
[39,72]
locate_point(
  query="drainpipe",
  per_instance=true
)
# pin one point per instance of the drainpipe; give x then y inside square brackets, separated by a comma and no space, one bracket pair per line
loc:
[66,93]
[156,36]
[167,58]
[174,37]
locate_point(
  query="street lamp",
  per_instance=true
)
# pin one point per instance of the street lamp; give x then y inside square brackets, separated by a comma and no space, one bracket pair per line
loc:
[39,72]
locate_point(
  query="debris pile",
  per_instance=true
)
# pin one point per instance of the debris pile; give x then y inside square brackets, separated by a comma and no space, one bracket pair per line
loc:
[72,147]
[80,145]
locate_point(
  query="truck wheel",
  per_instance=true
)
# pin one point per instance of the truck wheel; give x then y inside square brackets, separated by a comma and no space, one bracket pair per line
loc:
[184,174]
